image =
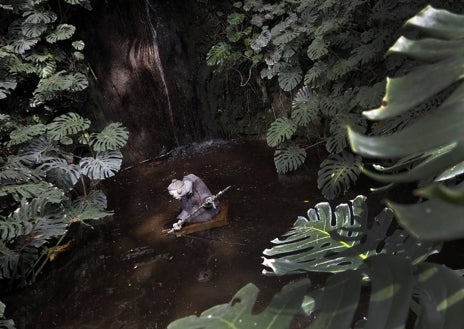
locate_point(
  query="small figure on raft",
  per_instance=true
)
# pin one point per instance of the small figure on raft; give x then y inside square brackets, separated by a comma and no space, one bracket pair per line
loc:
[199,205]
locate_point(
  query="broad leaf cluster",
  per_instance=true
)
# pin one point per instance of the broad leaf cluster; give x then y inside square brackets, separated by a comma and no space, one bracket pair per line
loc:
[429,150]
[404,291]
[329,56]
[36,185]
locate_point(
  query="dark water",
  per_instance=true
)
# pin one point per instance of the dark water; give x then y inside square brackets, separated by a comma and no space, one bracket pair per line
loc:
[125,273]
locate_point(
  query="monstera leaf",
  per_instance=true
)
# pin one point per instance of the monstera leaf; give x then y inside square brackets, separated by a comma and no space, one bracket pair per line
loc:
[62,32]
[89,207]
[105,164]
[282,129]
[238,314]
[26,191]
[67,124]
[339,240]
[289,158]
[39,149]
[25,134]
[290,77]
[432,143]
[112,137]
[4,323]
[61,173]
[337,173]
[218,54]
[397,288]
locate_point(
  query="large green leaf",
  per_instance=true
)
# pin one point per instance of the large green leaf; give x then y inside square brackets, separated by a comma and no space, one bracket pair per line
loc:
[65,175]
[392,285]
[432,220]
[339,301]
[289,158]
[105,164]
[441,296]
[335,241]
[337,173]
[61,32]
[112,137]
[238,314]
[406,92]
[26,133]
[67,124]
[281,129]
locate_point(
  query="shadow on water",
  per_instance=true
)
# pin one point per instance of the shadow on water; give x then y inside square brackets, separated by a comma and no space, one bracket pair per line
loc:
[125,273]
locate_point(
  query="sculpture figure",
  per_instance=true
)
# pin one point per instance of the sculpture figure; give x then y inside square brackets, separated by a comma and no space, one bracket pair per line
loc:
[198,203]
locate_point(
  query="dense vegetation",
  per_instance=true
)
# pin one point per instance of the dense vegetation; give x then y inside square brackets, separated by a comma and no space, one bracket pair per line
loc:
[50,160]
[403,289]
[328,57]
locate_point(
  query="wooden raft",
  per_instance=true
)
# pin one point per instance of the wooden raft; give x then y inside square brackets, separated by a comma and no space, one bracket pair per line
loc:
[221,219]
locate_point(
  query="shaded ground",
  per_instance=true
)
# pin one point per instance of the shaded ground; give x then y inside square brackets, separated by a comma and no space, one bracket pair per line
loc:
[125,273]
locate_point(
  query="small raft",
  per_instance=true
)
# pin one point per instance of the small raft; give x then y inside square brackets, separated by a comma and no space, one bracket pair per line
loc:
[221,219]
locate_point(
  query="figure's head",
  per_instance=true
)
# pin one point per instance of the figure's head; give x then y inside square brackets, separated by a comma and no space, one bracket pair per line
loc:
[179,188]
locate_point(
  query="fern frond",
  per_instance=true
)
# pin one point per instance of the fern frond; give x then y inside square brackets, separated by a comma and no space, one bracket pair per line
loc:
[25,134]
[280,130]
[112,137]
[337,173]
[67,124]
[105,164]
[289,158]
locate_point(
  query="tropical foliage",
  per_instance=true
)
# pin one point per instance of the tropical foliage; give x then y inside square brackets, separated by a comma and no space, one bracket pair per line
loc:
[328,56]
[430,149]
[45,187]
[404,290]
[50,159]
